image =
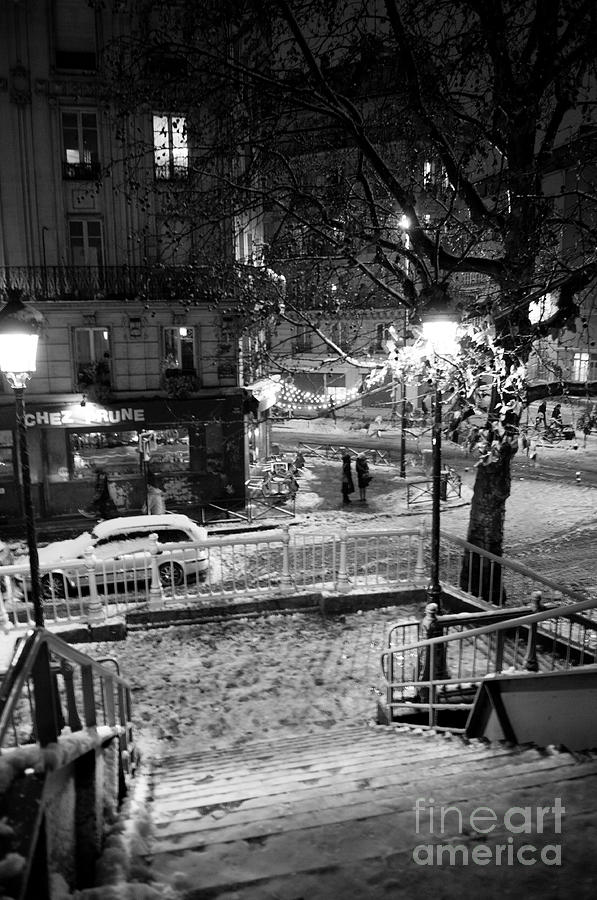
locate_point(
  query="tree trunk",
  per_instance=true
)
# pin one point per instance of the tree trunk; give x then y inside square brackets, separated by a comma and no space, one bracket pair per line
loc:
[486,527]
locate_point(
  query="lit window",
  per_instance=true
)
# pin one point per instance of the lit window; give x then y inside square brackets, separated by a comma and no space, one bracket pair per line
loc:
[335,387]
[170,146]
[80,145]
[179,348]
[92,357]
[580,366]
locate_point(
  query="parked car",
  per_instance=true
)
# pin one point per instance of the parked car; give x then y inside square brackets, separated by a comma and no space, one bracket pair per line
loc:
[122,548]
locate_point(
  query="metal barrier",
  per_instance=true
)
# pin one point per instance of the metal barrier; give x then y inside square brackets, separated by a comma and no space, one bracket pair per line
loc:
[333,451]
[439,676]
[262,564]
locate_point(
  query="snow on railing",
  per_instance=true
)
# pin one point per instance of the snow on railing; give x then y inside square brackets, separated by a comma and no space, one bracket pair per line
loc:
[262,564]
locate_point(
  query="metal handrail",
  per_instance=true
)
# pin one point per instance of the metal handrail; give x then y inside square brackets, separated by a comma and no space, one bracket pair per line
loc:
[513,566]
[31,662]
[433,647]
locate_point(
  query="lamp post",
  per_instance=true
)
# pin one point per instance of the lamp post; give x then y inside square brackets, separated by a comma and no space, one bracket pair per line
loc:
[20,326]
[439,331]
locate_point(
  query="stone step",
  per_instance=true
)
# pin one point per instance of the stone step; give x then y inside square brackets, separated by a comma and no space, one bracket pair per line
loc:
[357,772]
[233,820]
[256,749]
[197,777]
[321,846]
[318,816]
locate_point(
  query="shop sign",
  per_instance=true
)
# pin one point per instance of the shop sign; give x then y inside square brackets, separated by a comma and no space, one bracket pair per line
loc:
[84,415]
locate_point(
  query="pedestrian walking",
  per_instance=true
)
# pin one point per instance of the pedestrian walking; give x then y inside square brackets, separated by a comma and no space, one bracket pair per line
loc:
[556,416]
[541,417]
[102,505]
[363,476]
[347,482]
[156,505]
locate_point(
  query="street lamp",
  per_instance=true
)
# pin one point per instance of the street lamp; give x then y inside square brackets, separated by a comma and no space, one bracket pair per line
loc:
[439,331]
[20,326]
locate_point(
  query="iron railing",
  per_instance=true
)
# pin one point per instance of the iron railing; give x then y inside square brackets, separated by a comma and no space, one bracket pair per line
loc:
[260,564]
[439,676]
[50,686]
[155,282]
[60,712]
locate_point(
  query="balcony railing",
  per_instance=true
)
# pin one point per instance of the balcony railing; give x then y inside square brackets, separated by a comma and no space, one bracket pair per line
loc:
[157,282]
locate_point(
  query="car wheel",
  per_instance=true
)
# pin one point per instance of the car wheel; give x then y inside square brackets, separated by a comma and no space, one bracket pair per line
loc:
[171,574]
[53,587]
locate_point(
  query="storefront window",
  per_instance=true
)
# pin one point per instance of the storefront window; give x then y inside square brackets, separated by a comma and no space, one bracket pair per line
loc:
[166,450]
[117,452]
[6,454]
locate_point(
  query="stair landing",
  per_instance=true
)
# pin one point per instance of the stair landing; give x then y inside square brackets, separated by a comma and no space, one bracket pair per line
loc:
[332,815]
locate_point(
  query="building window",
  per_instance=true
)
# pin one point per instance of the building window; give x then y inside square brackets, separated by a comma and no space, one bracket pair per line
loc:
[584,366]
[179,348]
[74,22]
[340,335]
[86,244]
[303,341]
[170,147]
[6,454]
[92,359]
[80,143]
[382,335]
[335,387]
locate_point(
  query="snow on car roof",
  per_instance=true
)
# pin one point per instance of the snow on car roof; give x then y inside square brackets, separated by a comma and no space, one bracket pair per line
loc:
[130,523]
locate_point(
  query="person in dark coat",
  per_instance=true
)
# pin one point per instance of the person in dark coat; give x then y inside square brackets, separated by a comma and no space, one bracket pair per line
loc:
[102,506]
[556,416]
[347,482]
[363,476]
[541,417]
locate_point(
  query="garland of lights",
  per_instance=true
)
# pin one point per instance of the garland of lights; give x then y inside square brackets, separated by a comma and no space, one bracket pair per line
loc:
[291,396]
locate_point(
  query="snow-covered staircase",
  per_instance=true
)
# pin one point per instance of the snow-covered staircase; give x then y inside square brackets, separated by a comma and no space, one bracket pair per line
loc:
[332,815]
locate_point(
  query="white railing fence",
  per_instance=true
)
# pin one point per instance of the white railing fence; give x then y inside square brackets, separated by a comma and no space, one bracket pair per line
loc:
[257,564]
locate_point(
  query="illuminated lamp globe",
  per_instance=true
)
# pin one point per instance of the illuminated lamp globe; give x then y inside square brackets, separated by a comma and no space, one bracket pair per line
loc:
[440,325]
[20,327]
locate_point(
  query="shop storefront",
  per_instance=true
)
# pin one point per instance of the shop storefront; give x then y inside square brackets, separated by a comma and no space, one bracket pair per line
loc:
[197,448]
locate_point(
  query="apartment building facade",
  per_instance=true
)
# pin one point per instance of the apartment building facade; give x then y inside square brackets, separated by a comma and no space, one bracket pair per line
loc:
[139,367]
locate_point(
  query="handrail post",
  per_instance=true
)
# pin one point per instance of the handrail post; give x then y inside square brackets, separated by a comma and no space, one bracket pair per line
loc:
[286,581]
[342,582]
[390,687]
[95,608]
[530,660]
[432,688]
[74,721]
[5,623]
[46,698]
[420,574]
[156,590]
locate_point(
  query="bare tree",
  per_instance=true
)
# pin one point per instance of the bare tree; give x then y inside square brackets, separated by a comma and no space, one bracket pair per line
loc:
[414,149]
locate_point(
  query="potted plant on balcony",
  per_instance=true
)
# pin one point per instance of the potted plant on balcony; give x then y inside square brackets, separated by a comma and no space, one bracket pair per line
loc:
[178,383]
[94,382]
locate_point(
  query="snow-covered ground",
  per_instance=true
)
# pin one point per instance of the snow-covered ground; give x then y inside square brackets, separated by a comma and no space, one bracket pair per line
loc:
[221,684]
[217,684]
